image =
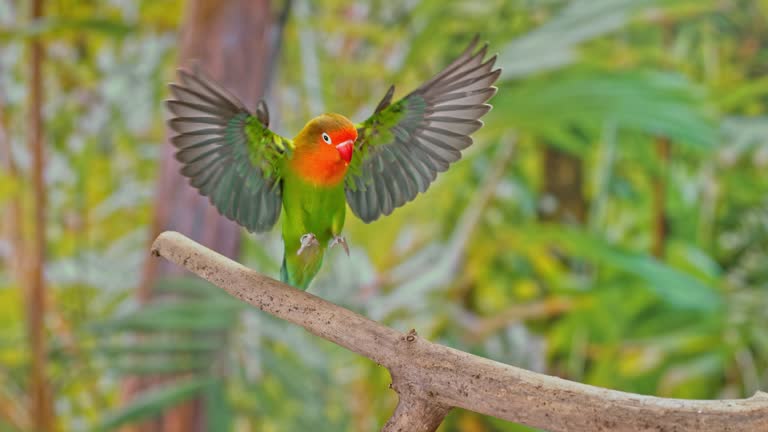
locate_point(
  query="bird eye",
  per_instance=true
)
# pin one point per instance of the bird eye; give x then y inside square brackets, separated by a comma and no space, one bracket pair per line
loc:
[326,138]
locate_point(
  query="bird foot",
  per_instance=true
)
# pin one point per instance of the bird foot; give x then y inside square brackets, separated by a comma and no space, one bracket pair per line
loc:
[340,240]
[307,240]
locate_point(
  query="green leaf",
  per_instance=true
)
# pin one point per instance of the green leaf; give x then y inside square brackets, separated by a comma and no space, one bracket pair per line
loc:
[154,402]
[190,315]
[218,411]
[160,366]
[554,44]
[652,102]
[190,286]
[55,26]
[160,347]
[676,288]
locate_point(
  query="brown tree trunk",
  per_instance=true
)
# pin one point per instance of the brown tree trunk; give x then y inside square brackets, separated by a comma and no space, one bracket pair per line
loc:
[231,43]
[234,42]
[41,408]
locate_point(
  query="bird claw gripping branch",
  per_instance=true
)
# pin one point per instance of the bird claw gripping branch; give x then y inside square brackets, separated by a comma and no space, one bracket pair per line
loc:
[307,241]
[339,240]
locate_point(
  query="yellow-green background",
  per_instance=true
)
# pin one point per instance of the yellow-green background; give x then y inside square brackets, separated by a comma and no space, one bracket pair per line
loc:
[475,263]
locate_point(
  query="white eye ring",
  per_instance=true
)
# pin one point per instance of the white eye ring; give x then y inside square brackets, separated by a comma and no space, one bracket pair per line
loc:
[326,138]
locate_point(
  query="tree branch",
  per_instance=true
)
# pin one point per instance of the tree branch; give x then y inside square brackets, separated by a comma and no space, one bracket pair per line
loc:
[432,378]
[416,411]
[41,397]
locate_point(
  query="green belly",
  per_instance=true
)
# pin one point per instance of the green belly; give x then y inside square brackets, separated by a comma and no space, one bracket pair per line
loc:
[309,209]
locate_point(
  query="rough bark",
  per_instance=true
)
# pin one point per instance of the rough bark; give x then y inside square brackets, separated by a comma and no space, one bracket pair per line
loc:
[432,378]
[415,412]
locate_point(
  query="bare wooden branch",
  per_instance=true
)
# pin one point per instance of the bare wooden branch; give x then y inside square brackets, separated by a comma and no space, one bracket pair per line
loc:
[41,397]
[432,378]
[416,412]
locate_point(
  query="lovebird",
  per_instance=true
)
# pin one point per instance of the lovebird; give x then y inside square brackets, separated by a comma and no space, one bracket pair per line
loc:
[250,173]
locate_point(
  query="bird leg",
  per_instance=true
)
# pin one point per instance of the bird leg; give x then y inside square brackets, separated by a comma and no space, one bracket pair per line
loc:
[307,240]
[339,240]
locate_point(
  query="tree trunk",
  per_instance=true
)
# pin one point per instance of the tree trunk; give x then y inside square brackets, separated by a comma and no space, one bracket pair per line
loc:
[235,43]
[41,409]
[231,43]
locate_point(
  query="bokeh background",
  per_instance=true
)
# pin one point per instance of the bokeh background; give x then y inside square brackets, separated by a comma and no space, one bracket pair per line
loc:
[609,226]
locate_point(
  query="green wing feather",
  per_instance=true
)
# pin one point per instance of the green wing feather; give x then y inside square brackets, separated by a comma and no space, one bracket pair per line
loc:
[403,146]
[228,154]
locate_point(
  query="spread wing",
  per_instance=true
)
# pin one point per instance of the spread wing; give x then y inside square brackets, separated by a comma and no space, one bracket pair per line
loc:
[228,154]
[402,146]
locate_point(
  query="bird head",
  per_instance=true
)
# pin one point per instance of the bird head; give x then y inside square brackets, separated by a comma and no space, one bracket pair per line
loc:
[330,135]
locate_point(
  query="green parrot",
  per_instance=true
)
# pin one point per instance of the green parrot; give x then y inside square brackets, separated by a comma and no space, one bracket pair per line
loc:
[250,173]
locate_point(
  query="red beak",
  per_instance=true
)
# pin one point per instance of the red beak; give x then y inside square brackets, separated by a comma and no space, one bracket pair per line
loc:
[345,150]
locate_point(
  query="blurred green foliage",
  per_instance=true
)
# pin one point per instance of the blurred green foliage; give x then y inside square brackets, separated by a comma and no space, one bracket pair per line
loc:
[474,263]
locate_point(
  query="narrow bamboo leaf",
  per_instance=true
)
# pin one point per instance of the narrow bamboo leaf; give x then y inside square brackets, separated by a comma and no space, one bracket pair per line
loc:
[218,411]
[189,286]
[652,102]
[159,347]
[50,26]
[191,315]
[153,402]
[677,288]
[554,44]
[160,366]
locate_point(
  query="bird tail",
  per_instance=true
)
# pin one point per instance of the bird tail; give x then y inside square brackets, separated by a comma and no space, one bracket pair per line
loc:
[298,272]
[284,273]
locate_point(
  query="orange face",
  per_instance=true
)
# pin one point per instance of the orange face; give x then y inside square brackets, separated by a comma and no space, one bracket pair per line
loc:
[341,139]
[324,149]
